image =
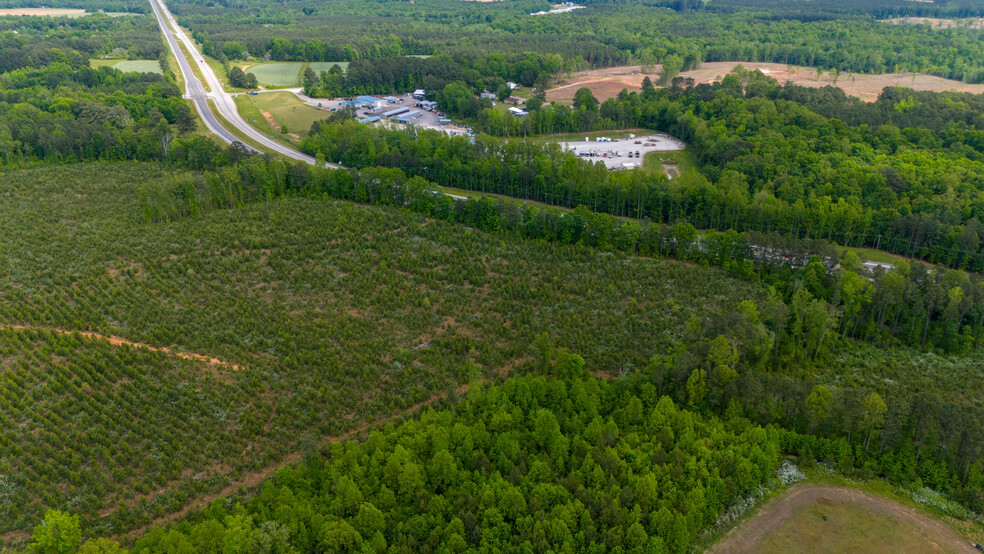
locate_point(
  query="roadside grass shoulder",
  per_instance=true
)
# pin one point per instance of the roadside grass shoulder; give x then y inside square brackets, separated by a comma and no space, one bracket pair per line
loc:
[194,66]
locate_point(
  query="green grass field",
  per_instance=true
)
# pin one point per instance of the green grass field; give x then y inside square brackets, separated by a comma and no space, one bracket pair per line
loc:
[872,255]
[277,74]
[140,66]
[285,108]
[830,526]
[318,67]
[684,161]
[287,74]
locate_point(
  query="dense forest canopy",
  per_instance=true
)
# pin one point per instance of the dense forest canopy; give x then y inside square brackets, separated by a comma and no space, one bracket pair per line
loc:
[604,34]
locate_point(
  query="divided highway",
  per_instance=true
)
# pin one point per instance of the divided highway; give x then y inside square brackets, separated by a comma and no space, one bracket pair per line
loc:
[224,103]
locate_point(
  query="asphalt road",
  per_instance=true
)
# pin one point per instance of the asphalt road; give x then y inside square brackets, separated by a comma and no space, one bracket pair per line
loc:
[224,103]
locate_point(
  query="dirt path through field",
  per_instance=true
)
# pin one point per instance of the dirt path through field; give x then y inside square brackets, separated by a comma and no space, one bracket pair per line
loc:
[117,341]
[748,536]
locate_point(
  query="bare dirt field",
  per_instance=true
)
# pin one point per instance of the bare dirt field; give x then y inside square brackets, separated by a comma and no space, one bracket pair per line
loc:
[936,23]
[607,83]
[825,518]
[42,11]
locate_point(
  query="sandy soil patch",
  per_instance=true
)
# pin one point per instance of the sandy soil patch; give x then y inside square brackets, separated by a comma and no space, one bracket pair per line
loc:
[607,83]
[42,11]
[937,23]
[919,531]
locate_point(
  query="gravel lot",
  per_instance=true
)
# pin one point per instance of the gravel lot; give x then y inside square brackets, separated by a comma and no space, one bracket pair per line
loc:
[617,153]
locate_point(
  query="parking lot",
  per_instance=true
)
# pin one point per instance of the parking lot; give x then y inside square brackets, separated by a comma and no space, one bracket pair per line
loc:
[426,119]
[626,153]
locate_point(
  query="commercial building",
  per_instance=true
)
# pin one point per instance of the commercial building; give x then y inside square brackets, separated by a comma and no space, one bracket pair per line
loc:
[395,111]
[370,101]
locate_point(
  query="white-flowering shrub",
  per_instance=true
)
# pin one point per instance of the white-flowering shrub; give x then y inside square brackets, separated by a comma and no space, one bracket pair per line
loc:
[789,473]
[738,509]
[928,497]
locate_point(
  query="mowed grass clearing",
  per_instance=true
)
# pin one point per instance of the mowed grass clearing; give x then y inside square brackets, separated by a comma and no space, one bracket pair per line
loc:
[273,110]
[683,161]
[277,74]
[829,526]
[126,66]
[318,67]
[872,255]
[817,517]
[288,74]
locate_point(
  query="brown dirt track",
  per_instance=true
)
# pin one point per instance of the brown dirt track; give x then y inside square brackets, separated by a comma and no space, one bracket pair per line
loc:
[750,535]
[607,83]
[117,341]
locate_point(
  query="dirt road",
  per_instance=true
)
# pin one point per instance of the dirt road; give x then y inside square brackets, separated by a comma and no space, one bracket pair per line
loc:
[117,341]
[748,536]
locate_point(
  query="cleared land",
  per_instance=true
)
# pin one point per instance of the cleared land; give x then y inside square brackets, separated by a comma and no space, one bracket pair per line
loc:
[274,110]
[615,155]
[287,74]
[827,518]
[62,12]
[607,83]
[937,23]
[277,74]
[139,66]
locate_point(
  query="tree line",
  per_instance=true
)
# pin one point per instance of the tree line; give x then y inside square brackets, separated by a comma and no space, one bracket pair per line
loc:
[556,459]
[601,35]
[769,163]
[401,74]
